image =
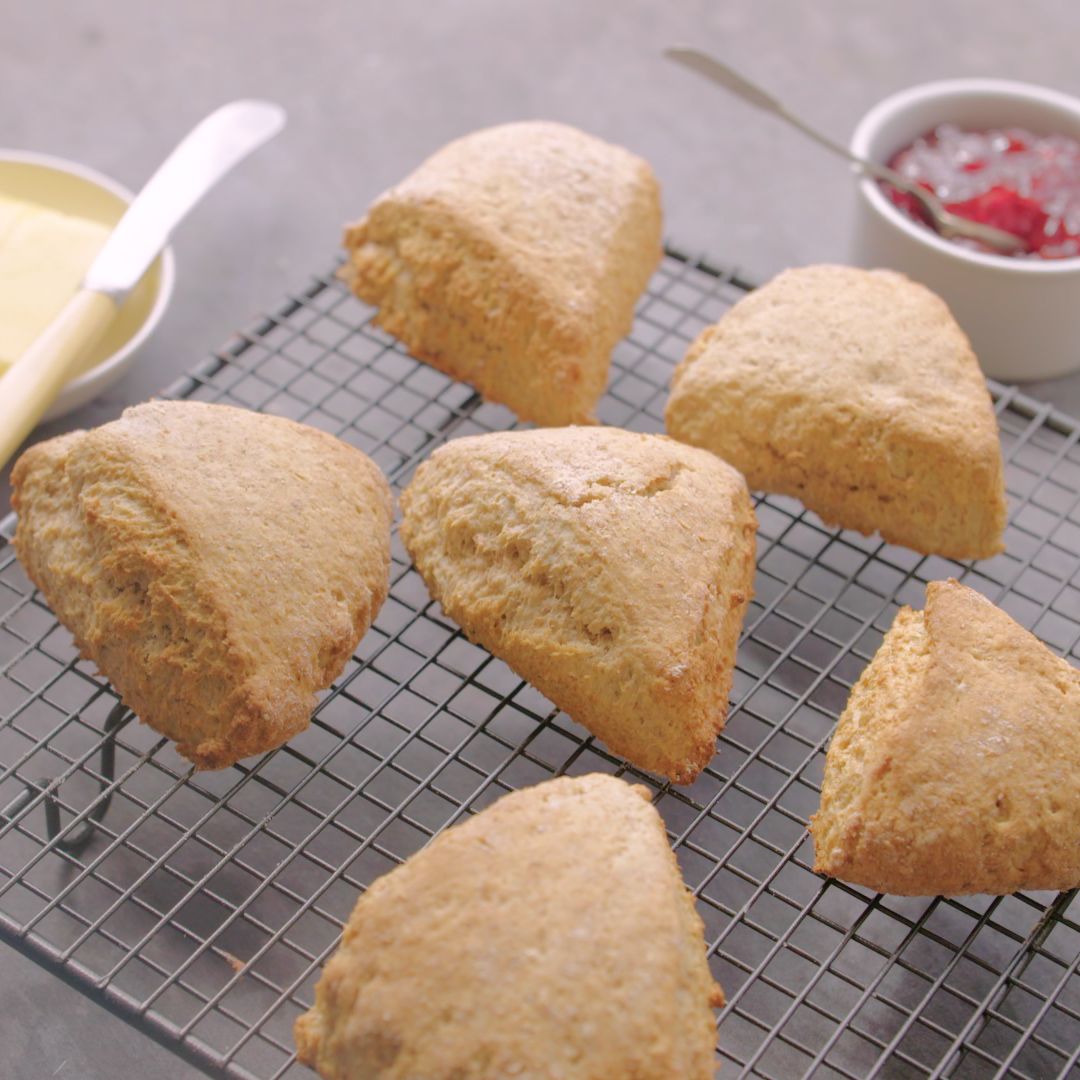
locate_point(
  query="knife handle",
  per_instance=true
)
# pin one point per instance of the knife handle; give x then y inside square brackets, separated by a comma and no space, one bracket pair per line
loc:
[31,384]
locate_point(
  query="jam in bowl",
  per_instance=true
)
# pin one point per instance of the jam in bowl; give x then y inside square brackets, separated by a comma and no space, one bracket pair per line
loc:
[1010,178]
[1009,151]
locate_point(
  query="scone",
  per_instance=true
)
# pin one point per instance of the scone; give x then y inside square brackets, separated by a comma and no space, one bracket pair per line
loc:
[218,566]
[954,768]
[610,569]
[512,259]
[549,936]
[856,392]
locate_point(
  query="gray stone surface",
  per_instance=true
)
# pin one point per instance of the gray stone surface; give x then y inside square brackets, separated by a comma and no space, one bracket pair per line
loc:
[371,88]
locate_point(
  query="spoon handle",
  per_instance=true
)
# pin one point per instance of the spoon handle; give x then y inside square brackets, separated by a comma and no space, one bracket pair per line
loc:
[945,223]
[752,94]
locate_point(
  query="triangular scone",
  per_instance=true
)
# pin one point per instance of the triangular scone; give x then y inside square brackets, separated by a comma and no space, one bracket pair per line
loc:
[955,767]
[550,935]
[512,259]
[856,392]
[609,569]
[218,566]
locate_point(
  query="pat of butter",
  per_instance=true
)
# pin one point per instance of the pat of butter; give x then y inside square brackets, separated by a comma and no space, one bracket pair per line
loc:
[44,256]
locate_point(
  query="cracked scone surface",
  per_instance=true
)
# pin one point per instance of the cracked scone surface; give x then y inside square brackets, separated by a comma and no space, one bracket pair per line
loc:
[856,392]
[219,566]
[608,568]
[512,259]
[954,765]
[549,936]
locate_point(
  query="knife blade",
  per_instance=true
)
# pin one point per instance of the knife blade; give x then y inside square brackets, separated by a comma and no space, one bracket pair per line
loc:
[210,150]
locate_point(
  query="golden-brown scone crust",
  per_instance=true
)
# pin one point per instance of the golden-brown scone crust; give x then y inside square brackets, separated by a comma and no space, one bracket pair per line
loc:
[549,936]
[512,259]
[954,766]
[608,568]
[217,565]
[856,392]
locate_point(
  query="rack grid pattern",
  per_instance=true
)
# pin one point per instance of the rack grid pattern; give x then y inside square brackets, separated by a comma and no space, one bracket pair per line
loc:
[205,904]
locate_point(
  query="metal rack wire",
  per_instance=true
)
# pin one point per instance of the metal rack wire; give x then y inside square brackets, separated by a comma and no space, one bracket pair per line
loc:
[201,906]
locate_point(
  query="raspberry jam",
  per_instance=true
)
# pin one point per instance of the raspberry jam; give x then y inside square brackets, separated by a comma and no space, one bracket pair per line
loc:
[1026,184]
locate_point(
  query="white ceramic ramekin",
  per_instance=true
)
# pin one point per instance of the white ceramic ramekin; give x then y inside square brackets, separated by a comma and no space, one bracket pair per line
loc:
[75,189]
[1022,315]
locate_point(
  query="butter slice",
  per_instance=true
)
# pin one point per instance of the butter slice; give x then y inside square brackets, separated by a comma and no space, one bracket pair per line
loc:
[44,255]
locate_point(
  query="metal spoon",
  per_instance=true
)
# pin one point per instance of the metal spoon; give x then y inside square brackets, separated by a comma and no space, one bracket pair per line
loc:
[944,222]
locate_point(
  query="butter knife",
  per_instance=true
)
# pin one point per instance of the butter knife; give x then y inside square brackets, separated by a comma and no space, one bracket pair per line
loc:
[209,151]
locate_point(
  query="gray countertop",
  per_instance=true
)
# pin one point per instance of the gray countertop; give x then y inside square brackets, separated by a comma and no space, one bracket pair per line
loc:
[371,89]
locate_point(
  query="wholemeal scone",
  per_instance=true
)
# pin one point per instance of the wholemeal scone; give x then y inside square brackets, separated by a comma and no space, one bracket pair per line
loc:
[549,936]
[512,259]
[954,767]
[610,569]
[217,565]
[856,392]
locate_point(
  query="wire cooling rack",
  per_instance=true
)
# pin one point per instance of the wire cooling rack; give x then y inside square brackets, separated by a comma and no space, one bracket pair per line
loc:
[201,906]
